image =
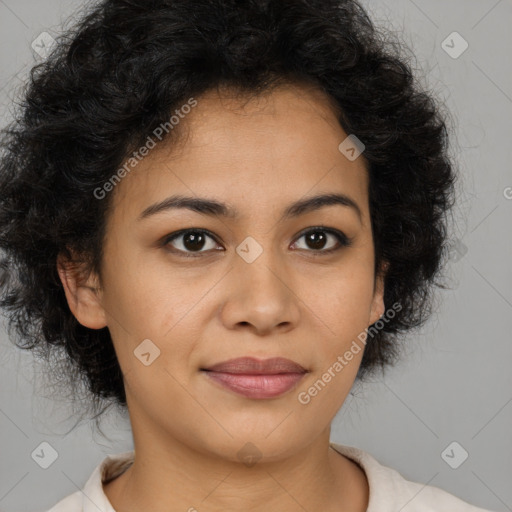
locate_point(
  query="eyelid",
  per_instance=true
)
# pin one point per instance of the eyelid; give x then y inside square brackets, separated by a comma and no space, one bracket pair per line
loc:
[341,237]
[343,240]
[176,234]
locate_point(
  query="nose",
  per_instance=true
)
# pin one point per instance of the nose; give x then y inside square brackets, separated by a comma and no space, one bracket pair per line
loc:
[262,295]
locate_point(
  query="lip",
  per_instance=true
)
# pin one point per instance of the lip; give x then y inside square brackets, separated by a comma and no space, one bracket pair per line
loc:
[254,366]
[257,378]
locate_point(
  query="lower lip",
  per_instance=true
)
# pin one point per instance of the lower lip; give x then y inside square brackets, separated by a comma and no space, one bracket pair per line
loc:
[257,386]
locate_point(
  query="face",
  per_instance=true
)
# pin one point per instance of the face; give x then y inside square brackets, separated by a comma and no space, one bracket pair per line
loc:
[253,283]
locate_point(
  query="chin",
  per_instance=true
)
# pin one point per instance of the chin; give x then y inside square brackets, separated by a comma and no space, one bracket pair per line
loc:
[252,446]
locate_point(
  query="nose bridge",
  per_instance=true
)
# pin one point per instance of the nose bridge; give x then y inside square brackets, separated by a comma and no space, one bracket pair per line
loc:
[260,263]
[263,295]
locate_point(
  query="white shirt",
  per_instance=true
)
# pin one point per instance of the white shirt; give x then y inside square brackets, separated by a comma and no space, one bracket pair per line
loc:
[389,490]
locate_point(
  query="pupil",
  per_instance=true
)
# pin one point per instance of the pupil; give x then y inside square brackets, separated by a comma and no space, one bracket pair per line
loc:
[317,239]
[193,241]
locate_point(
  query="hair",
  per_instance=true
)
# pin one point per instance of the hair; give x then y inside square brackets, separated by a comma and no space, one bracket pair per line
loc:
[119,72]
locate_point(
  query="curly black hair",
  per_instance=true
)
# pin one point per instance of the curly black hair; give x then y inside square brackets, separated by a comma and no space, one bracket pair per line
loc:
[120,71]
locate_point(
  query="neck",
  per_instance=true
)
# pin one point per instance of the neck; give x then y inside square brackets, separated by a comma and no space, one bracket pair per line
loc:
[175,476]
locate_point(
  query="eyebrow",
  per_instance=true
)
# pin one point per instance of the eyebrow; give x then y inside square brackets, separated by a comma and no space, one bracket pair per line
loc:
[215,208]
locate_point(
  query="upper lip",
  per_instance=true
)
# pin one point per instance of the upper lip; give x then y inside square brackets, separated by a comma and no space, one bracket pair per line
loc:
[253,366]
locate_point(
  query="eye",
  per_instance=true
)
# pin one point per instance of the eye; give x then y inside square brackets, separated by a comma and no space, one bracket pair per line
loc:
[191,241]
[195,240]
[317,238]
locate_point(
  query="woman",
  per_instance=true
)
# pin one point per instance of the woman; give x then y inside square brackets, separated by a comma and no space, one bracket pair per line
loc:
[225,213]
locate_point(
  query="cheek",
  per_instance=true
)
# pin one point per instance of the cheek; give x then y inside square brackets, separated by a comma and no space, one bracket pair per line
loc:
[343,302]
[143,304]
[143,295]
[341,310]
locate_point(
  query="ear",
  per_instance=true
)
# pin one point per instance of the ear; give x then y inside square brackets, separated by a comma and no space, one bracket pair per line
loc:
[83,293]
[377,307]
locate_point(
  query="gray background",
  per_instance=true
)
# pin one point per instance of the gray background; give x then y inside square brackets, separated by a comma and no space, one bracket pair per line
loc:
[453,384]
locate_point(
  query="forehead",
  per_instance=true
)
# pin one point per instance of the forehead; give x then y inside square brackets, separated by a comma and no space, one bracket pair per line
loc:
[282,143]
[230,116]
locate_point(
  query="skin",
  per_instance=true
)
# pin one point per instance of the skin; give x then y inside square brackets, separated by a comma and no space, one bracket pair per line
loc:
[258,156]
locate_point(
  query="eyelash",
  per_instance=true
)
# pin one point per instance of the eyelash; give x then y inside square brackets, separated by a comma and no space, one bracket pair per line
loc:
[342,239]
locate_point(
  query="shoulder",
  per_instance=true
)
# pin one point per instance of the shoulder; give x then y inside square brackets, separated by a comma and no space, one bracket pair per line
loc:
[92,498]
[71,503]
[390,491]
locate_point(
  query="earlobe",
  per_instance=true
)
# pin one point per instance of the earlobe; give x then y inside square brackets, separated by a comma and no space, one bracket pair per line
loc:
[378,307]
[82,294]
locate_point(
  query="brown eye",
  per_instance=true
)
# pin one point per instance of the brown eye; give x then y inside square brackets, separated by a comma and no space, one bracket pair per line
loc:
[317,239]
[191,241]
[195,242]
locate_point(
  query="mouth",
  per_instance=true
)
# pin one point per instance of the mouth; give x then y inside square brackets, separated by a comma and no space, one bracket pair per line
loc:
[253,366]
[255,378]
